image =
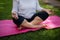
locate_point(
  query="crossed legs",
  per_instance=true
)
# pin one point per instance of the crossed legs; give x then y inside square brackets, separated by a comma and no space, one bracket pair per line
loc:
[38,18]
[32,24]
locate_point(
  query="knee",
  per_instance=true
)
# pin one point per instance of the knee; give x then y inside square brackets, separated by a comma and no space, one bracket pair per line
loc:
[24,22]
[37,18]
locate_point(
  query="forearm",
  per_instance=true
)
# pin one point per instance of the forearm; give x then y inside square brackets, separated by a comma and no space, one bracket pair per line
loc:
[15,7]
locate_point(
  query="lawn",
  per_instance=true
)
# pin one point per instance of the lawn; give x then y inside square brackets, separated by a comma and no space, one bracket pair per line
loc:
[43,34]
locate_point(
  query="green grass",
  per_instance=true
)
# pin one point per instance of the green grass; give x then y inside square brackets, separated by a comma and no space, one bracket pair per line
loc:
[43,34]
[5,9]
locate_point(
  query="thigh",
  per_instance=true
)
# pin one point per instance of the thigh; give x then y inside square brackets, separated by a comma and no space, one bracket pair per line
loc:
[43,15]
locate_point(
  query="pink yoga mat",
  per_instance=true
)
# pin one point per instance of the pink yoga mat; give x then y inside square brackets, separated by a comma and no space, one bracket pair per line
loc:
[7,27]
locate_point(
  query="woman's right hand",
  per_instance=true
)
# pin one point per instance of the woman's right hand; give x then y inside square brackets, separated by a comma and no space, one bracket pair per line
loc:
[14,15]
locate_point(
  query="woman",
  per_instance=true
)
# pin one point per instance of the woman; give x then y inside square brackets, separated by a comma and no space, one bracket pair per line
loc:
[24,14]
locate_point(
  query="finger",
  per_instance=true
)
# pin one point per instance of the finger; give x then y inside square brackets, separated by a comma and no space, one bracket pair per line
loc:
[16,17]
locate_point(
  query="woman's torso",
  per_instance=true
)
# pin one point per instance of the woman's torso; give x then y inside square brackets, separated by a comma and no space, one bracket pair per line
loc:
[27,8]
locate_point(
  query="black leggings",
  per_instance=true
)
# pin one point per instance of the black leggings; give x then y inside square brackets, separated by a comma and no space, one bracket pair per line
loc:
[43,15]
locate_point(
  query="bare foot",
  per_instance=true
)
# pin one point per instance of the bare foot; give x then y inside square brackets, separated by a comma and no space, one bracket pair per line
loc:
[43,25]
[21,27]
[40,26]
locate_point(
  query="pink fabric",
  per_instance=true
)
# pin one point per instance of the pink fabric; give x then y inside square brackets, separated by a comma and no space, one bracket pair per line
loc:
[52,22]
[7,27]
